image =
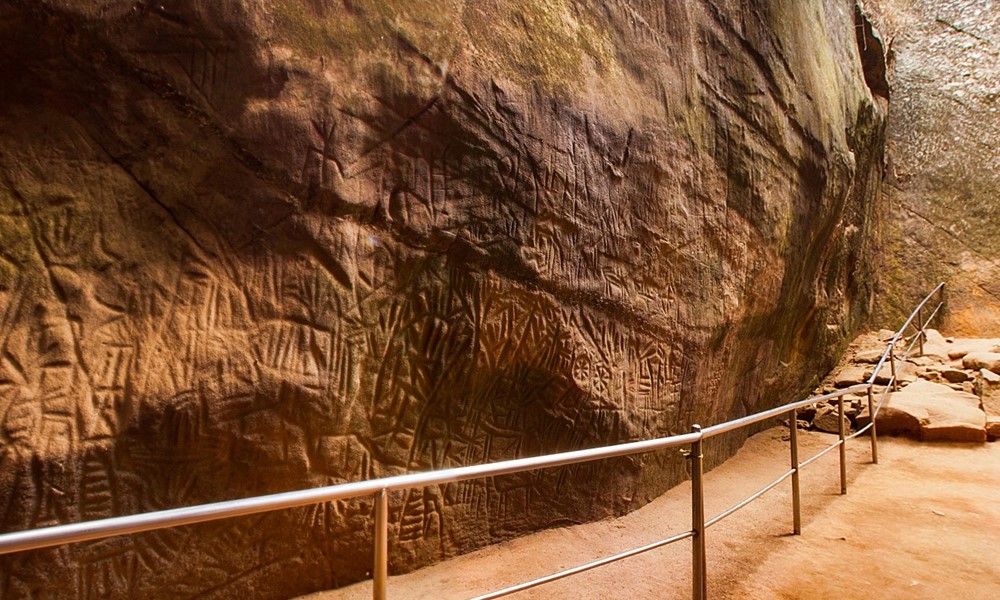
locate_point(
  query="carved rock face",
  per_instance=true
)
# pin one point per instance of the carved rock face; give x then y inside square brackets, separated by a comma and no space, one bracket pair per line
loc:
[256,248]
[945,163]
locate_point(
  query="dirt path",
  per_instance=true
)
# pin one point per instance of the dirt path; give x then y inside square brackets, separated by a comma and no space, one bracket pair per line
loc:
[925,523]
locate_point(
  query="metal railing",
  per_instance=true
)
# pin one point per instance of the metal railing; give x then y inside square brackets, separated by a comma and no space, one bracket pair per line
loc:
[380,488]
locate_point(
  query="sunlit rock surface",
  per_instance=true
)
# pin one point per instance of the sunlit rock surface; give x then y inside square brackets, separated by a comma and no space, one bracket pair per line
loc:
[257,247]
[944,167]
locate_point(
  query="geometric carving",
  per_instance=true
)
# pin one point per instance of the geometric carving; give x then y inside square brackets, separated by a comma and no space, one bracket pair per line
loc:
[244,252]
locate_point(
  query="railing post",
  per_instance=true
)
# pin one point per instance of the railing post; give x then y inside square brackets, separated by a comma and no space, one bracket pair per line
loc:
[941,302]
[793,424]
[843,445]
[892,363]
[380,570]
[920,340]
[871,413]
[699,582]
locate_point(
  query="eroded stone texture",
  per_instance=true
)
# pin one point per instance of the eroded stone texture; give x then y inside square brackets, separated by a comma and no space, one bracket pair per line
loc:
[933,412]
[256,247]
[944,165]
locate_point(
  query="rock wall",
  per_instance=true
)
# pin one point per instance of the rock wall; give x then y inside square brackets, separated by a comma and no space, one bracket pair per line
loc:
[944,167]
[256,247]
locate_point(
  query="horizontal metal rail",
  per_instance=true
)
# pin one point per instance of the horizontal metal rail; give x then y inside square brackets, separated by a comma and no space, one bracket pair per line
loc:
[909,347]
[820,454]
[881,400]
[92,530]
[767,488]
[379,488]
[864,429]
[585,567]
[177,517]
[933,314]
[899,332]
[715,430]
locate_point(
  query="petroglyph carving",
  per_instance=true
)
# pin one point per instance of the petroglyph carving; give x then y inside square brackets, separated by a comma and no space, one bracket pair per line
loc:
[246,251]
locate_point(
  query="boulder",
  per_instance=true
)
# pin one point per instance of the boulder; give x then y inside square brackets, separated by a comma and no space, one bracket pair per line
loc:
[930,375]
[863,418]
[807,413]
[851,375]
[955,375]
[982,360]
[987,387]
[963,387]
[992,428]
[827,419]
[906,372]
[922,361]
[959,347]
[933,412]
[869,356]
[935,343]
[828,412]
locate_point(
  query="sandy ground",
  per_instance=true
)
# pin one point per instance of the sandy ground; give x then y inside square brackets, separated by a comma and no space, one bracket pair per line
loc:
[924,523]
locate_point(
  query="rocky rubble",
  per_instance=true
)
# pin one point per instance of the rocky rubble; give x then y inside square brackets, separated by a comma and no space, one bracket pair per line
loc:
[949,393]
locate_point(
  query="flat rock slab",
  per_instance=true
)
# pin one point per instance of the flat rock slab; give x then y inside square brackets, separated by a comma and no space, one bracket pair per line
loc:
[936,344]
[982,360]
[933,412]
[869,356]
[827,417]
[987,387]
[955,348]
[906,372]
[851,375]
[955,375]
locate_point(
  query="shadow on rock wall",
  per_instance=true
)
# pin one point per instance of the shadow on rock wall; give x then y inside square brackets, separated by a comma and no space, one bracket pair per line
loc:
[249,249]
